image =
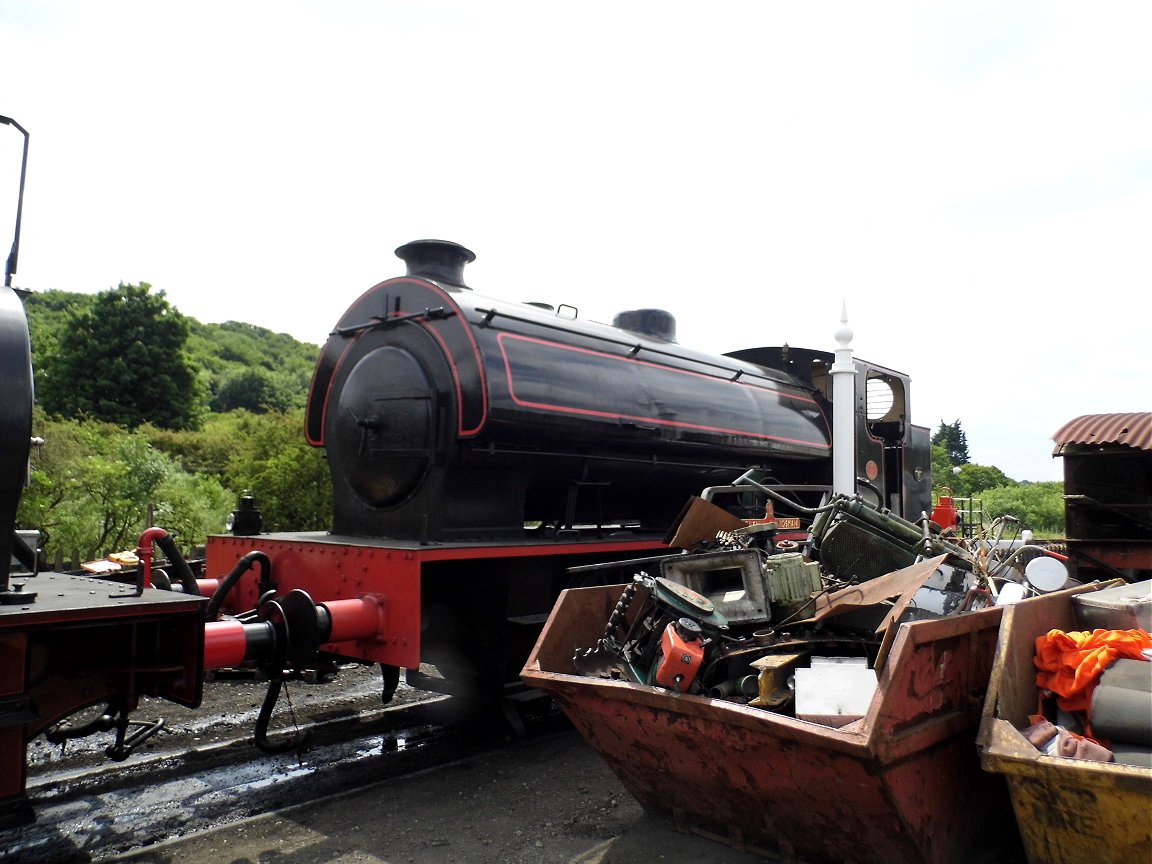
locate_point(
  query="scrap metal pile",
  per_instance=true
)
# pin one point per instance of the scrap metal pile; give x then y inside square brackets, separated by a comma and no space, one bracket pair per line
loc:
[798,629]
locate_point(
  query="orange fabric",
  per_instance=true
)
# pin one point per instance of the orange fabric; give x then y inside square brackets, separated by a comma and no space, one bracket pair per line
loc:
[1070,663]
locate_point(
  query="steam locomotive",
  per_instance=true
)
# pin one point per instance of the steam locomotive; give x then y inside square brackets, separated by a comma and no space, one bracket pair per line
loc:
[480,451]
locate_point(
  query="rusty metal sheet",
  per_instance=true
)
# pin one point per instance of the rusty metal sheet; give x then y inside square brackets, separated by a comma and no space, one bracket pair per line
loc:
[907,580]
[1131,430]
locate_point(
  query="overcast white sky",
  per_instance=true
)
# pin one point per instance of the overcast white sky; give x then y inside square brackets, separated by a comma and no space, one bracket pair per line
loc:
[972,179]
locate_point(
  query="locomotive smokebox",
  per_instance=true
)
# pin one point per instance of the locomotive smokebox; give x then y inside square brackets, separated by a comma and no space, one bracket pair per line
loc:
[439,260]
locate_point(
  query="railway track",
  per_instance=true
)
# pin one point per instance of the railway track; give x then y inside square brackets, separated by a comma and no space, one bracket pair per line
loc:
[202,770]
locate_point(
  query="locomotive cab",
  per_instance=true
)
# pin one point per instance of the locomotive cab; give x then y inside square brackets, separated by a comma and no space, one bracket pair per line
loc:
[893,455]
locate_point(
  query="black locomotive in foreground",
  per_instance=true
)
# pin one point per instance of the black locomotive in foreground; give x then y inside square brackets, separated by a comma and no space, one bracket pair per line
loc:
[479,451]
[480,448]
[448,415]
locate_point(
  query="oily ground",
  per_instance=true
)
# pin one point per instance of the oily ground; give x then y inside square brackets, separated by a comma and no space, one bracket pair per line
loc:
[548,800]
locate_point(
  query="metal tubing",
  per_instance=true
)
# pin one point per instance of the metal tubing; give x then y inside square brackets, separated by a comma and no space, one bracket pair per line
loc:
[144,553]
[226,585]
[843,373]
[207,587]
[225,643]
[362,618]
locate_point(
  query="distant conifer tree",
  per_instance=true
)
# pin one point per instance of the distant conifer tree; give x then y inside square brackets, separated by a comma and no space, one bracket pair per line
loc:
[952,438]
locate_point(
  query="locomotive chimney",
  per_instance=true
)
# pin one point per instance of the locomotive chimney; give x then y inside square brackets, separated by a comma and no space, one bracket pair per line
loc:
[441,260]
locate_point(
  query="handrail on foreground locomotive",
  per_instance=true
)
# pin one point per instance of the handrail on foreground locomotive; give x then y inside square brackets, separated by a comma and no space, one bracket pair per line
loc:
[13,255]
[16,373]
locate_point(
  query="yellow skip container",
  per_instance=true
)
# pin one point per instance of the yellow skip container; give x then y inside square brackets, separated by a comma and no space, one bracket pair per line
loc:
[1069,811]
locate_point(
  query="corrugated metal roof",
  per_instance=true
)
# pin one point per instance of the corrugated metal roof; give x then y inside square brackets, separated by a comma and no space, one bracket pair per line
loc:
[1132,430]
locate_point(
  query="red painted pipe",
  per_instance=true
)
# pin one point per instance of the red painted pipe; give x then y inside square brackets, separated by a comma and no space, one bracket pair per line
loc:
[229,642]
[225,643]
[362,618]
[207,587]
[144,552]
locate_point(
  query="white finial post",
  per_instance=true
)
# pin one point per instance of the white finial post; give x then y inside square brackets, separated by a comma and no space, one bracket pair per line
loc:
[844,411]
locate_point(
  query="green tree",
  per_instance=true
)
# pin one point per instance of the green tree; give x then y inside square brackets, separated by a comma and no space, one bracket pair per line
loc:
[942,475]
[50,316]
[253,390]
[972,480]
[123,362]
[274,361]
[955,442]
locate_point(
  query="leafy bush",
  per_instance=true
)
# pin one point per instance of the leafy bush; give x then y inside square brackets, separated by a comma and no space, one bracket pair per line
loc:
[252,390]
[973,480]
[1038,506]
[94,486]
[266,454]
